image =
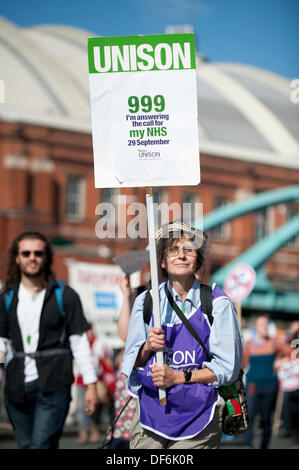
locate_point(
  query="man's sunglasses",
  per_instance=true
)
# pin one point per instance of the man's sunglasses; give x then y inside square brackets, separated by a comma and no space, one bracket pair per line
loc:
[37,253]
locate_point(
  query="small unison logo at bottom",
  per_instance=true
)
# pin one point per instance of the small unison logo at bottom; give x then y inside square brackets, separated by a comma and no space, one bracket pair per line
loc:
[144,155]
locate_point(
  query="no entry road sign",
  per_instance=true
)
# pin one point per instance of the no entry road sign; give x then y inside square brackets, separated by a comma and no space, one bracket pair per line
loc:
[240,282]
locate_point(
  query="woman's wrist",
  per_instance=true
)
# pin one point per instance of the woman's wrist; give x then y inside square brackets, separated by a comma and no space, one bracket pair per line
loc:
[143,355]
[180,377]
[147,347]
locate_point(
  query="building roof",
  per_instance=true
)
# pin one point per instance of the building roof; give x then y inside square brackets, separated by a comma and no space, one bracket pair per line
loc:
[244,112]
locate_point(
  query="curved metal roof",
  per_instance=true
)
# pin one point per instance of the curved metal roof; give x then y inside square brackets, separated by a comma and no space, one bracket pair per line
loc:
[244,112]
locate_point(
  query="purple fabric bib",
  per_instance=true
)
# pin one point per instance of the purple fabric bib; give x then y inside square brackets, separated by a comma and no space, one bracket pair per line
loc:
[190,407]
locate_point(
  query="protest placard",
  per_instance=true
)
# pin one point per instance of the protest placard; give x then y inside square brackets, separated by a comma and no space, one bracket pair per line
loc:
[144,110]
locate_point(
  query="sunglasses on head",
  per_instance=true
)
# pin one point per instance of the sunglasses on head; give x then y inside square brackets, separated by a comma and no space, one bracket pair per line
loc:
[27,253]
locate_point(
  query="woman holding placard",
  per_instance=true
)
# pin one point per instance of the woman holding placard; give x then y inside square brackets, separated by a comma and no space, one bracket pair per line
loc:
[191,418]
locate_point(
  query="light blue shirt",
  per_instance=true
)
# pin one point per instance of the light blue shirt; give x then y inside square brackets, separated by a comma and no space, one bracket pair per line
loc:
[226,342]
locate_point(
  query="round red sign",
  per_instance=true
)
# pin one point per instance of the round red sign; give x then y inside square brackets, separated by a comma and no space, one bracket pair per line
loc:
[240,282]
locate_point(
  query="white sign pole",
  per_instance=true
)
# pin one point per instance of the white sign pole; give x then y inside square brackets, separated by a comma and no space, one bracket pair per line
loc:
[154,278]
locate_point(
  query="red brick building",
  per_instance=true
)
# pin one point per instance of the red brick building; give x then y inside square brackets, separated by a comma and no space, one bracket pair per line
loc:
[249,141]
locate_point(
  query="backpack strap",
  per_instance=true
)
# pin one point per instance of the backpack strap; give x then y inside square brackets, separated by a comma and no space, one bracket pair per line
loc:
[8,299]
[206,301]
[59,296]
[147,308]
[58,292]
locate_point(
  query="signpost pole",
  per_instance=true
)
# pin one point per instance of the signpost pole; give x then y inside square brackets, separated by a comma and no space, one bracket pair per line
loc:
[154,278]
[239,312]
[277,412]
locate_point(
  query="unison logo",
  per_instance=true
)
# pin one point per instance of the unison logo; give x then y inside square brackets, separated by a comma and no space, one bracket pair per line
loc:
[145,155]
[141,53]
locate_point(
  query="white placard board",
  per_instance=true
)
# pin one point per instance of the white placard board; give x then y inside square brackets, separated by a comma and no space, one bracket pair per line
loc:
[144,110]
[98,286]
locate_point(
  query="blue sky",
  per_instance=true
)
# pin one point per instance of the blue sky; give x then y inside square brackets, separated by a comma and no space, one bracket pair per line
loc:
[263,33]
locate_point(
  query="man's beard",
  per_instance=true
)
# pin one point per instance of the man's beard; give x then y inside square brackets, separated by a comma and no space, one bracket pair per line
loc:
[34,275]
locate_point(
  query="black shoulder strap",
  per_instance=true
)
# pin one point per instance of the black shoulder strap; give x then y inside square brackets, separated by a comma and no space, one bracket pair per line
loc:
[147,307]
[206,301]
[185,321]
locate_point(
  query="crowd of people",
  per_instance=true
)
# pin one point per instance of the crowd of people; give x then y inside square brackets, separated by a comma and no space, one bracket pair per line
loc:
[51,352]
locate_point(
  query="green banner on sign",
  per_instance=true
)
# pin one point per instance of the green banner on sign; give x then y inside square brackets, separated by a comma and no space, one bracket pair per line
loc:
[144,125]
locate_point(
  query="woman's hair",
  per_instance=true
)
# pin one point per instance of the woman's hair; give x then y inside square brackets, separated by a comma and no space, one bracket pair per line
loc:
[163,245]
[13,272]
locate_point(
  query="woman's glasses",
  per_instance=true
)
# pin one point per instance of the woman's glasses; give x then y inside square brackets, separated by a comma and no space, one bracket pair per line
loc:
[175,250]
[27,253]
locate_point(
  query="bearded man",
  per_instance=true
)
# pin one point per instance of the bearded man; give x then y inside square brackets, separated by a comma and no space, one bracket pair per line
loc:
[43,337]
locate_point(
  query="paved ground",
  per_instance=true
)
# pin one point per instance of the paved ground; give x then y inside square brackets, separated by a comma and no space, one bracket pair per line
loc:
[69,438]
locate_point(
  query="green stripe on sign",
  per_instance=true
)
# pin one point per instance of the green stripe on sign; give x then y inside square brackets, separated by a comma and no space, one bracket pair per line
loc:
[141,53]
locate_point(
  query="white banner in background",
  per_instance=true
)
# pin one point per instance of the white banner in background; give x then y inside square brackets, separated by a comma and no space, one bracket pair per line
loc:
[101,297]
